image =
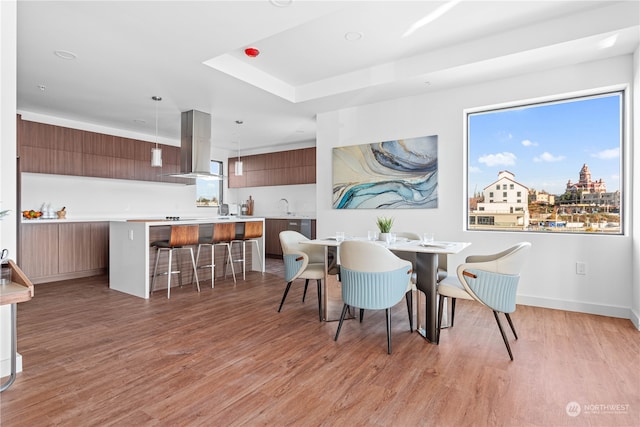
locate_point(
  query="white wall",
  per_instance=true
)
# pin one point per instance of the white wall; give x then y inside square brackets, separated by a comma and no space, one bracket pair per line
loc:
[549,279]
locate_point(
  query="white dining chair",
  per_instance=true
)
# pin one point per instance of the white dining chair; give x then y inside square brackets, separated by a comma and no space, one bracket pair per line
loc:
[301,261]
[491,280]
[373,278]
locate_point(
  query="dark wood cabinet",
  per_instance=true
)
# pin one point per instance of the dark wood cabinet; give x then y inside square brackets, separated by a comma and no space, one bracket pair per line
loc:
[54,251]
[273,227]
[59,150]
[278,168]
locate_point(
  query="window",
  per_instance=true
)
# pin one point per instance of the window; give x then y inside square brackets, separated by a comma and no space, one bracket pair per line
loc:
[209,191]
[563,156]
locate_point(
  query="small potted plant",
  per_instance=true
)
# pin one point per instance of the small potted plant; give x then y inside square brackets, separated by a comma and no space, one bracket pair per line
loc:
[384,225]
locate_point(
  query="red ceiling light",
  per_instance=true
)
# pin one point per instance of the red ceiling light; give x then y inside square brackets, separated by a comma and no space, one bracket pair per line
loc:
[251,52]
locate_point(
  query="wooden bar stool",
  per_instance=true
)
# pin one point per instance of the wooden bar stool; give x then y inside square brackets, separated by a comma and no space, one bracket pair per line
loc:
[252,232]
[182,237]
[222,235]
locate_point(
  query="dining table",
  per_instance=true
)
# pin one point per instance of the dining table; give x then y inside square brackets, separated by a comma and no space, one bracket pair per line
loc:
[426,270]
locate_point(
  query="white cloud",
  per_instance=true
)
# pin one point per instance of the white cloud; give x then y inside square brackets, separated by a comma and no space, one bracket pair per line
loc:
[548,157]
[500,159]
[529,143]
[612,153]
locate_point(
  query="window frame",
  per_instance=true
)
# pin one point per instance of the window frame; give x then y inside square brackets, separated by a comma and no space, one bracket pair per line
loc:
[624,167]
[200,181]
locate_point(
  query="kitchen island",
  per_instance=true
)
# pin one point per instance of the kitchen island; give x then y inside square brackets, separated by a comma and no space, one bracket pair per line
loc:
[130,252]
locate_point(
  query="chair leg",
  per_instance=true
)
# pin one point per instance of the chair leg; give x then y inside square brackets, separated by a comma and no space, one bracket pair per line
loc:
[361,314]
[388,330]
[409,298]
[453,310]
[195,272]
[440,304]
[169,275]
[504,336]
[179,260]
[345,307]
[229,261]
[320,299]
[306,284]
[511,324]
[155,271]
[213,265]
[286,291]
[244,260]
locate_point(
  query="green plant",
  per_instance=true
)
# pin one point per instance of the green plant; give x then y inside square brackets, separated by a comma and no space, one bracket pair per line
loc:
[384,224]
[4,213]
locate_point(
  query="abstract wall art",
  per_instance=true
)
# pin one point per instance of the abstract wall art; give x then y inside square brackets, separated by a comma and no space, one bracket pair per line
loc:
[399,174]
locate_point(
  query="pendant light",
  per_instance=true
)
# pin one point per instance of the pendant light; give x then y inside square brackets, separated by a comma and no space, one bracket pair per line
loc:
[156,152]
[238,171]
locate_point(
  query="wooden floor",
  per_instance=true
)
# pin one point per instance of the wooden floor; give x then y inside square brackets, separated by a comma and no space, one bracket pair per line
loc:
[225,357]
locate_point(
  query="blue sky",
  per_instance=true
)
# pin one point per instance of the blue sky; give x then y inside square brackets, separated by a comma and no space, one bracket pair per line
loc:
[546,145]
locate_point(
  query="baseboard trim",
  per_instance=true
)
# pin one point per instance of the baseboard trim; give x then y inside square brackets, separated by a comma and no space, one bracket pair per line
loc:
[581,307]
[635,319]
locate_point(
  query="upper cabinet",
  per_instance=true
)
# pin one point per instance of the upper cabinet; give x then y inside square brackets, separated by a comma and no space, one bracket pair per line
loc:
[279,168]
[59,150]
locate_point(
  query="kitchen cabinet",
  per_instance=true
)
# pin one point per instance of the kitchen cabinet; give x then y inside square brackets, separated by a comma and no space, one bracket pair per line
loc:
[60,251]
[274,226]
[59,150]
[278,168]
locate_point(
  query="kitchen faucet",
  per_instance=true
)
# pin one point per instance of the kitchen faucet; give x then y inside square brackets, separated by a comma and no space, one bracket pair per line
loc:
[287,202]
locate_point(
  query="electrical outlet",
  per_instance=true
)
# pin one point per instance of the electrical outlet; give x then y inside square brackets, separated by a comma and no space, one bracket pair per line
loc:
[581,268]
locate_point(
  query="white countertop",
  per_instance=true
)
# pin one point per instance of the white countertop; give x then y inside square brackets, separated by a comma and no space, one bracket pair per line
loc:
[156,221]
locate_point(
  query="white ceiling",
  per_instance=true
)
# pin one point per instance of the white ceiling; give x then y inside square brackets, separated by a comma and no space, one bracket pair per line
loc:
[191,54]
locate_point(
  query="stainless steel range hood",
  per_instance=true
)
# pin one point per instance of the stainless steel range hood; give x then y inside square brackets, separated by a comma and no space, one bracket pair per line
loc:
[195,146]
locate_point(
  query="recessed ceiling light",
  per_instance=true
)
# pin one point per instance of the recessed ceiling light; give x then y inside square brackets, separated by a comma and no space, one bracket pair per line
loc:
[65,54]
[42,87]
[353,36]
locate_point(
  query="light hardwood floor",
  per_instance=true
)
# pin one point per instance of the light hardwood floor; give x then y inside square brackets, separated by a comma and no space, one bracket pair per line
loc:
[225,357]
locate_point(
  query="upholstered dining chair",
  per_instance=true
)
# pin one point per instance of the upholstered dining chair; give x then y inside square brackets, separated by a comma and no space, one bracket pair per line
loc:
[373,278]
[301,261]
[492,280]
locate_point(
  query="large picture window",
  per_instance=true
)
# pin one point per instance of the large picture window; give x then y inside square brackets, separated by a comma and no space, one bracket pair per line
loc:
[209,191]
[547,167]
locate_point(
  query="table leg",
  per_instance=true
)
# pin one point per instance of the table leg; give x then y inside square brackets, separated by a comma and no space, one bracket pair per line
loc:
[14,349]
[332,292]
[427,279]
